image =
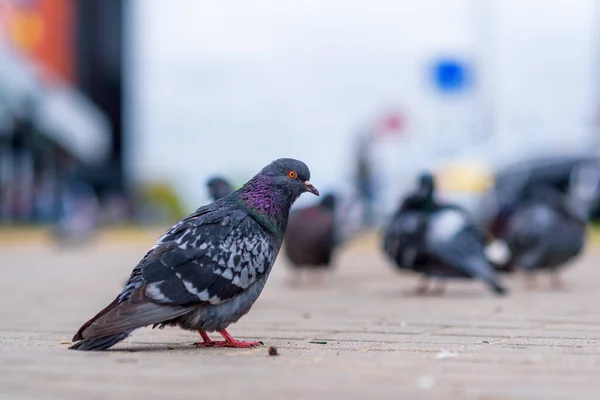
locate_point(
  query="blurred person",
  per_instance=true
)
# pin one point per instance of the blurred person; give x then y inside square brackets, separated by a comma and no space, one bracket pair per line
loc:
[364,180]
[45,197]
[79,210]
[116,209]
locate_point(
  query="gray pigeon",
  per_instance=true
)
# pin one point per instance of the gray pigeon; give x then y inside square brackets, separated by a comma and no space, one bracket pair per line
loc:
[207,271]
[310,238]
[548,230]
[218,187]
[437,240]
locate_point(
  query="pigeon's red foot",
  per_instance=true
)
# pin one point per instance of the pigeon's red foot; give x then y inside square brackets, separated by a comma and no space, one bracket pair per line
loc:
[228,342]
[231,342]
[422,287]
[237,344]
[204,344]
[206,341]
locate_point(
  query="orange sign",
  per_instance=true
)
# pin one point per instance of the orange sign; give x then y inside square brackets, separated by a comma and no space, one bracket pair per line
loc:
[44,30]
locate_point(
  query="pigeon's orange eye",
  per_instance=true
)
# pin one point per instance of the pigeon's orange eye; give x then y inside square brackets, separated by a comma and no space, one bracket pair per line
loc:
[292,174]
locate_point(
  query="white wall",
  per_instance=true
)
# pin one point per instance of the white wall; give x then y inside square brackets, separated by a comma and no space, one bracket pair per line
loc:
[226,87]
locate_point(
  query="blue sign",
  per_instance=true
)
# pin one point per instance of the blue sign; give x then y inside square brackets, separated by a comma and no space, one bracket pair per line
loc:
[450,76]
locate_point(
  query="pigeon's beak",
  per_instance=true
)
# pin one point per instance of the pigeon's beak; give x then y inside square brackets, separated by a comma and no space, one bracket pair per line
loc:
[311,188]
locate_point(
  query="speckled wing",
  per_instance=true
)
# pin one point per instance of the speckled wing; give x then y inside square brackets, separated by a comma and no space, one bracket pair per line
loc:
[209,258]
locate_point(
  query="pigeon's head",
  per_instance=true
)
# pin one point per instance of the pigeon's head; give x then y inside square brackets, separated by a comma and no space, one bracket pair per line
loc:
[328,202]
[218,187]
[289,176]
[426,184]
[269,195]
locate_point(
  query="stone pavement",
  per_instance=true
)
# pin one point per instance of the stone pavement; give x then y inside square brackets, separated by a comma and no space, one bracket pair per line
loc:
[360,336]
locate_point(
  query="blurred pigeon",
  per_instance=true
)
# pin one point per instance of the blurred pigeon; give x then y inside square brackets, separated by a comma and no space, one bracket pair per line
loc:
[437,240]
[403,239]
[548,229]
[218,187]
[311,236]
[500,201]
[206,271]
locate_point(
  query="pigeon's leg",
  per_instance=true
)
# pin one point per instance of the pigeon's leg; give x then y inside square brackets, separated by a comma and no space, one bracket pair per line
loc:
[295,278]
[423,286]
[440,288]
[231,342]
[318,278]
[530,280]
[206,340]
[556,281]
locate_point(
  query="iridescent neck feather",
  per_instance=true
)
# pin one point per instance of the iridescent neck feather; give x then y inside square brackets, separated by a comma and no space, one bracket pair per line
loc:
[267,203]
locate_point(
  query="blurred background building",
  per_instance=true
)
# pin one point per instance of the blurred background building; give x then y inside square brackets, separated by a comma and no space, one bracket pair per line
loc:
[123,109]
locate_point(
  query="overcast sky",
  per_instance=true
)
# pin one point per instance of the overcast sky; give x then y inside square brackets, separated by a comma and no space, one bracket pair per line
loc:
[228,86]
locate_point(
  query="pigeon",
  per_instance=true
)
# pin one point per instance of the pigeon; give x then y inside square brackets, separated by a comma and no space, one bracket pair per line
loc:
[310,237]
[437,240]
[206,272]
[548,229]
[218,187]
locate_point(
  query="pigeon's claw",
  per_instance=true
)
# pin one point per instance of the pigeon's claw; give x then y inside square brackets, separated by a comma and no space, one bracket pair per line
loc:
[231,342]
[205,344]
[228,342]
[206,341]
[237,344]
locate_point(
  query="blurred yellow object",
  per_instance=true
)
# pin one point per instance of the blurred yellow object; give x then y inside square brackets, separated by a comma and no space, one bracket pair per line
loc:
[464,177]
[27,30]
[164,197]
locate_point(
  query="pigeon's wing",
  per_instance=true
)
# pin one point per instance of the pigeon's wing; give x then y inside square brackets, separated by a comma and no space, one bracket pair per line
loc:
[213,259]
[177,233]
[452,240]
[531,222]
[529,232]
[539,235]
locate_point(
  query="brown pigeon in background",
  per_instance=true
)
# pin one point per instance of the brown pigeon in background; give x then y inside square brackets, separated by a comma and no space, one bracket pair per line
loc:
[310,238]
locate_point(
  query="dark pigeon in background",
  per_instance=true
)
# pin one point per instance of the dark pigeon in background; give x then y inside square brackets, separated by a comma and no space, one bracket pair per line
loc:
[511,183]
[218,187]
[310,238]
[207,271]
[437,240]
[548,229]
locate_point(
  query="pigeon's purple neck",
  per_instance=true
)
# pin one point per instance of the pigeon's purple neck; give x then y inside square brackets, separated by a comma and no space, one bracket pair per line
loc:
[267,203]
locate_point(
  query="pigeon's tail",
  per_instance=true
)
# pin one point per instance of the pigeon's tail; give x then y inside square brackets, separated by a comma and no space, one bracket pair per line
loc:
[485,272]
[119,320]
[464,251]
[99,343]
[497,288]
